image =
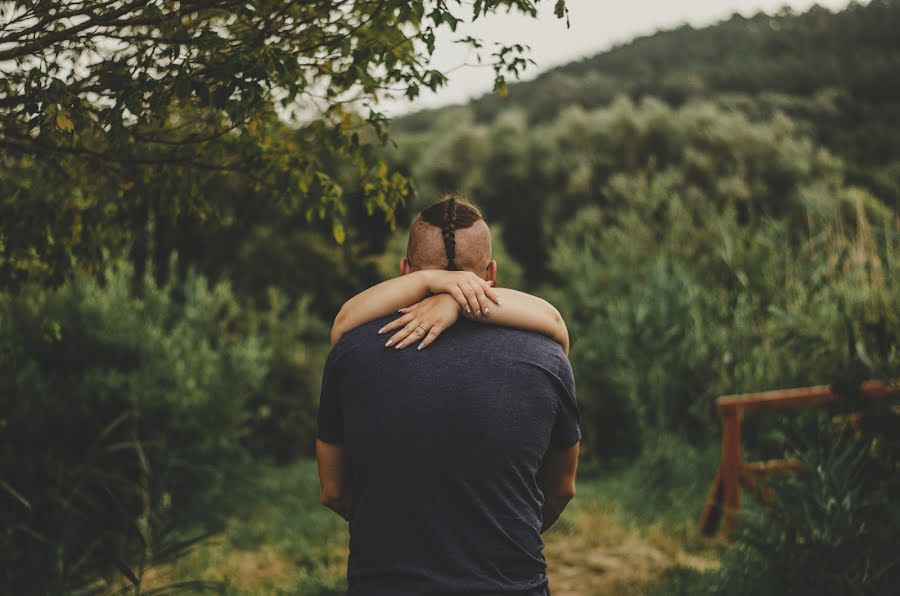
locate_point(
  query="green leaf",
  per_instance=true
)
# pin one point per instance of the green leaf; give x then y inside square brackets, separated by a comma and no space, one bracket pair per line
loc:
[125,570]
[178,548]
[15,494]
[194,585]
[337,230]
[64,123]
[560,9]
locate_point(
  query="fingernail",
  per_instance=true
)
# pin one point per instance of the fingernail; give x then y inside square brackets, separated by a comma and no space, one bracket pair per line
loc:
[389,343]
[479,312]
[398,346]
[487,310]
[468,309]
[380,331]
[420,347]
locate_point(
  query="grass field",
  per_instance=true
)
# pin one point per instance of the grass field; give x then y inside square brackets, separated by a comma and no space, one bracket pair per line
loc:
[618,536]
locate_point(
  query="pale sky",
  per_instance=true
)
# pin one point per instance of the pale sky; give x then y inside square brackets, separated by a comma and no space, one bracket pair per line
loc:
[596,25]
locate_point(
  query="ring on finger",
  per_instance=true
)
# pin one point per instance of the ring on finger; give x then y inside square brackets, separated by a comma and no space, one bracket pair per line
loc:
[422,328]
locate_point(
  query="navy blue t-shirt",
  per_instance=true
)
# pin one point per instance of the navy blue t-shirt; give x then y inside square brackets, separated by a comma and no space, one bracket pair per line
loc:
[444,446]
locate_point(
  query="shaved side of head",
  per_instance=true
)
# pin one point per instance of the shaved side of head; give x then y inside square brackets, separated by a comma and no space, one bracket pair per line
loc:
[426,250]
[450,234]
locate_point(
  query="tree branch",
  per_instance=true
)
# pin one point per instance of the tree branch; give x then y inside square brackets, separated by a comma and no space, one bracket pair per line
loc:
[57,36]
[42,24]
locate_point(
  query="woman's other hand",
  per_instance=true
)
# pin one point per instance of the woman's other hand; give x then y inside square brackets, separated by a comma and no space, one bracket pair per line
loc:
[472,293]
[424,321]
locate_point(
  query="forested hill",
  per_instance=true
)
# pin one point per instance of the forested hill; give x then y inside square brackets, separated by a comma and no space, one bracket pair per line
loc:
[838,71]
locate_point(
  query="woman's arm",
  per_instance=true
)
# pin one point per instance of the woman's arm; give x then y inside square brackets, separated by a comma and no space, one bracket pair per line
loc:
[470,292]
[524,311]
[427,319]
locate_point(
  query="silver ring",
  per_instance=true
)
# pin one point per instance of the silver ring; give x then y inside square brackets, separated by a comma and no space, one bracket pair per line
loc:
[422,327]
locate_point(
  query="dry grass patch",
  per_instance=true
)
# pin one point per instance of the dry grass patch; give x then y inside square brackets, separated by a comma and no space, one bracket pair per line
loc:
[592,553]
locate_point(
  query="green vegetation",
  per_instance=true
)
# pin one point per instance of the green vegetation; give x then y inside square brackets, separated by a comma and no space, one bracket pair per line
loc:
[835,73]
[118,113]
[828,530]
[130,413]
[279,540]
[837,523]
[717,219]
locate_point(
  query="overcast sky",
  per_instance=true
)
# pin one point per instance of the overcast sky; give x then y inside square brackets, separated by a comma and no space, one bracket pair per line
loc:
[596,25]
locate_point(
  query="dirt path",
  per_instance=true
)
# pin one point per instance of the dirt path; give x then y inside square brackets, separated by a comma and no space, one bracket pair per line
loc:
[591,554]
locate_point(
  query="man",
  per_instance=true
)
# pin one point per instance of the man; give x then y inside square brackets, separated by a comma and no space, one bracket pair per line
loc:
[448,462]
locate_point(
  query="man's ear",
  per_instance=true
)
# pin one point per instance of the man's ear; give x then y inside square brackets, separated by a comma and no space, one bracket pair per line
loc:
[490,274]
[405,267]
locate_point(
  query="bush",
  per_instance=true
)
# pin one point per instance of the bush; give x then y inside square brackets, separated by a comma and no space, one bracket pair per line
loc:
[121,416]
[283,409]
[832,529]
[666,315]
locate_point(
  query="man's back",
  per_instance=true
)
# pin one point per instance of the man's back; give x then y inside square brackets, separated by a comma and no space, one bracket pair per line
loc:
[445,446]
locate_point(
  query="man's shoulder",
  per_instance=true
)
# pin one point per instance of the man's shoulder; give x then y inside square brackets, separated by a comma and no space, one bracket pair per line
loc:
[520,337]
[364,337]
[464,337]
[514,344]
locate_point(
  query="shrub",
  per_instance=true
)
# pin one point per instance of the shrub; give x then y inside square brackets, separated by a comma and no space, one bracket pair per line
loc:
[121,415]
[832,529]
[666,315]
[283,409]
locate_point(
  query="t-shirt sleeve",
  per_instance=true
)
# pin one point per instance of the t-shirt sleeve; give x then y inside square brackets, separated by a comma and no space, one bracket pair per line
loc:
[330,423]
[567,426]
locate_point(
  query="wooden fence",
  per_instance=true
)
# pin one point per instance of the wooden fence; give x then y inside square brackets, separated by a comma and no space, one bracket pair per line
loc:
[724,500]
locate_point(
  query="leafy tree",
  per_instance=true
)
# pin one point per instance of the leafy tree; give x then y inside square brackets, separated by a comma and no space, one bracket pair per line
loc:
[104,103]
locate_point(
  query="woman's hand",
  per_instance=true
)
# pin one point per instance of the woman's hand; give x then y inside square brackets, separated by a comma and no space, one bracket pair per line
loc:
[472,293]
[426,319]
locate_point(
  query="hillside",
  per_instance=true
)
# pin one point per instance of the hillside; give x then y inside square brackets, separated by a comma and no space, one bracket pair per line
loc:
[839,72]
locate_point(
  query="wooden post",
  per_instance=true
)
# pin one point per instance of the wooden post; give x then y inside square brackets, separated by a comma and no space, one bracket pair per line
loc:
[730,470]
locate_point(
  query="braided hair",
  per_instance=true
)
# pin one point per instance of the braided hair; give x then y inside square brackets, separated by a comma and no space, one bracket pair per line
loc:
[451,213]
[448,230]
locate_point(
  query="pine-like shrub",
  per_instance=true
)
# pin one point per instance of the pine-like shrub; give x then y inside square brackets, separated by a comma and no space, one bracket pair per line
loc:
[124,416]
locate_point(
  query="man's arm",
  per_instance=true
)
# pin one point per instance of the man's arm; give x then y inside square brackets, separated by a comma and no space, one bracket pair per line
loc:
[557,481]
[334,482]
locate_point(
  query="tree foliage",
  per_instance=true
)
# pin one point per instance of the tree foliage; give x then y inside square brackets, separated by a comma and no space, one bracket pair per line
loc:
[103,102]
[834,72]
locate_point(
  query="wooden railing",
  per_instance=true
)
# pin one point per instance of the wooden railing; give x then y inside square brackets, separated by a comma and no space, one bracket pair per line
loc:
[724,500]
